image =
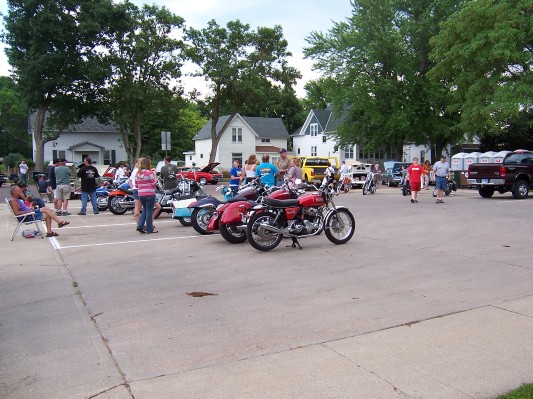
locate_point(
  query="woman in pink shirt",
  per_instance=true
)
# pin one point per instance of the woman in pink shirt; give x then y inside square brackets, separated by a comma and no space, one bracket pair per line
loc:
[145,182]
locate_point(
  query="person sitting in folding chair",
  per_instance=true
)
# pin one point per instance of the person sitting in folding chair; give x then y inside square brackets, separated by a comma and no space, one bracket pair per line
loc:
[20,208]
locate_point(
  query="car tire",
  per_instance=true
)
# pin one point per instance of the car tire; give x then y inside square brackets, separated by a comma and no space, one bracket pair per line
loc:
[486,192]
[202,181]
[520,189]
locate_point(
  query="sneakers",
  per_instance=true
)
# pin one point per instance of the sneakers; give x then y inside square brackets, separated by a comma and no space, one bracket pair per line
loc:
[96,213]
[81,213]
[65,213]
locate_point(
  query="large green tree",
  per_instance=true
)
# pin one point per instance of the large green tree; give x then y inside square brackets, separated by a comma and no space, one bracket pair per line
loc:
[376,63]
[484,55]
[13,119]
[145,58]
[54,49]
[244,70]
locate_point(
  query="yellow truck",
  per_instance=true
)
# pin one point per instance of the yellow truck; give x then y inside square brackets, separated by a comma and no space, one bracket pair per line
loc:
[313,168]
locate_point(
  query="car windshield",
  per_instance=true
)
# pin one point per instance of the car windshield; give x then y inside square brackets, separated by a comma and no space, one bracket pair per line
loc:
[520,158]
[398,167]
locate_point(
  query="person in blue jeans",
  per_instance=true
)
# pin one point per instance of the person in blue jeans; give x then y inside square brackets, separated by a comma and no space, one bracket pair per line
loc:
[146,182]
[88,175]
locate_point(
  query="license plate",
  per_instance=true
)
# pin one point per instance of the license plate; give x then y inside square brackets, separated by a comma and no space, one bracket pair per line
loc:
[485,181]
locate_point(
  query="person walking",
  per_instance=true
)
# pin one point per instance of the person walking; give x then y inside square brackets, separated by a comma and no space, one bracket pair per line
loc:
[414,178]
[235,177]
[249,169]
[62,173]
[283,165]
[52,178]
[168,174]
[427,174]
[267,171]
[88,175]
[23,170]
[442,174]
[145,181]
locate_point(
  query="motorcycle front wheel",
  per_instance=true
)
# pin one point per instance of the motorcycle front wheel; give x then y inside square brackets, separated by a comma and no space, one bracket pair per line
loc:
[340,226]
[260,238]
[200,219]
[365,188]
[187,222]
[231,234]
[103,202]
[115,207]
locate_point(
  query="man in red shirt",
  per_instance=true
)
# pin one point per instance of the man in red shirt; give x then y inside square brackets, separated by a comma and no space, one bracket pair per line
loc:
[414,175]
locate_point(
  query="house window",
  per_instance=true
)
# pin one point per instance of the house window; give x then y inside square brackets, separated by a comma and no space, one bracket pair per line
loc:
[201,156]
[348,152]
[106,154]
[324,138]
[236,135]
[265,140]
[314,129]
[236,157]
[298,151]
[314,151]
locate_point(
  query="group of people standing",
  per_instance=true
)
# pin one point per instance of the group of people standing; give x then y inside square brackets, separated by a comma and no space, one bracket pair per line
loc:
[270,174]
[416,173]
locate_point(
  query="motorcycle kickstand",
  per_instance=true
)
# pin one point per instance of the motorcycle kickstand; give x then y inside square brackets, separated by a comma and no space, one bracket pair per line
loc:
[295,243]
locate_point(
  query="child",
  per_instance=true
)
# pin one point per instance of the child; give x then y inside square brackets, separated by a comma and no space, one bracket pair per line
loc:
[43,188]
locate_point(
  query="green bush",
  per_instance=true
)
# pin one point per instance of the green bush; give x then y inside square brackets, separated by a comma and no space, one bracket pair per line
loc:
[12,160]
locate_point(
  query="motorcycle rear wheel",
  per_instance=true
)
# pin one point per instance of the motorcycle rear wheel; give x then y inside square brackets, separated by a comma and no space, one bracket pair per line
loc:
[258,237]
[231,234]
[200,219]
[365,188]
[115,207]
[340,226]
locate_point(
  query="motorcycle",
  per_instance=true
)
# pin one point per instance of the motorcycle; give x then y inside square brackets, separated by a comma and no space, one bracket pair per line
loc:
[306,216]
[121,199]
[185,189]
[370,184]
[203,210]
[231,218]
[406,188]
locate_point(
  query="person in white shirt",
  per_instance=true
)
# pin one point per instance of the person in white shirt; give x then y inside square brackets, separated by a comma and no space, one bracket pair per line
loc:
[119,174]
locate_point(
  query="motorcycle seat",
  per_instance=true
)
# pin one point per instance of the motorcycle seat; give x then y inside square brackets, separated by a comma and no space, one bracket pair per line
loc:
[280,203]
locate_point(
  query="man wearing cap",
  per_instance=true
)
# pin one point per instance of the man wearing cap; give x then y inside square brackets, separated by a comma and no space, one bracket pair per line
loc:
[442,174]
[62,173]
[282,165]
[88,175]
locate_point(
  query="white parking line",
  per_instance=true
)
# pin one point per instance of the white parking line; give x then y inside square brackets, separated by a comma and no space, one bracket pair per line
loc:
[58,246]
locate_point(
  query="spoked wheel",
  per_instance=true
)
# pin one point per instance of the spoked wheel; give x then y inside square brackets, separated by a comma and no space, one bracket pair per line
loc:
[115,207]
[231,234]
[185,221]
[103,202]
[340,226]
[365,188]
[259,237]
[200,219]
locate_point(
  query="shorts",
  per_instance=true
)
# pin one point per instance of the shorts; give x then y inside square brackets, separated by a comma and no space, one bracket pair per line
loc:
[38,216]
[415,185]
[135,194]
[63,192]
[440,183]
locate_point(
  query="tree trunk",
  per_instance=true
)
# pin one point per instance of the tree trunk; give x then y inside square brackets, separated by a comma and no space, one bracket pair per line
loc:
[215,138]
[39,139]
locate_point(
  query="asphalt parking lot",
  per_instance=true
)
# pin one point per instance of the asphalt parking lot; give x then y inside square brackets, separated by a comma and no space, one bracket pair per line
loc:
[426,301]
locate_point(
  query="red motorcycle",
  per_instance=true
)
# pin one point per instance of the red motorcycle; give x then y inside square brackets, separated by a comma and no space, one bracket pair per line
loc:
[306,216]
[231,218]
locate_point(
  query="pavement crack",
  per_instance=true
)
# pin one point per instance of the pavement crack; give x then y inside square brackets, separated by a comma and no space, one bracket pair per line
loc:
[394,387]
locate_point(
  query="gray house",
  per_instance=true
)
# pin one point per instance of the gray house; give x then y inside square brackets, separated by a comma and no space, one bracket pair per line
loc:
[244,136]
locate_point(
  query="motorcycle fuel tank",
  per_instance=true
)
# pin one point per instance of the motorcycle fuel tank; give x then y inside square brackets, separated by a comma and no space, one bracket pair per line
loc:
[308,200]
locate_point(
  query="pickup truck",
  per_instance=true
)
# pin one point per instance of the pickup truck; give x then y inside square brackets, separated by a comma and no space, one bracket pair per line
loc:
[514,174]
[313,168]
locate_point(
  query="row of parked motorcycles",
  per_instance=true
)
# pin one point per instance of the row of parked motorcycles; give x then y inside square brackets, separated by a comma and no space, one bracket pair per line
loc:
[265,215]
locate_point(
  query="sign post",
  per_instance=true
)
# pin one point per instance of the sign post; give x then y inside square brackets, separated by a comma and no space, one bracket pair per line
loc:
[165,141]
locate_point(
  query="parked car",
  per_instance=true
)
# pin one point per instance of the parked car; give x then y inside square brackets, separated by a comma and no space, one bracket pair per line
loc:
[393,175]
[204,175]
[358,173]
[3,179]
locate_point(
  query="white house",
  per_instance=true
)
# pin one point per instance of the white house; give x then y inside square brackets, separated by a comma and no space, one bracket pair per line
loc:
[101,142]
[245,135]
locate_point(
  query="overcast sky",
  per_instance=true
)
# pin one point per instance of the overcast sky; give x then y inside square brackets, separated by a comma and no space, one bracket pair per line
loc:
[297,17]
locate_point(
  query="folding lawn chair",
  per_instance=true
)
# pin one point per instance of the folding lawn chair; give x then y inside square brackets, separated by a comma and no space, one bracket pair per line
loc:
[26,219]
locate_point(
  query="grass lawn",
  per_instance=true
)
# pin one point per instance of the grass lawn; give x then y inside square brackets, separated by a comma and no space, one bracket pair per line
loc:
[524,392]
